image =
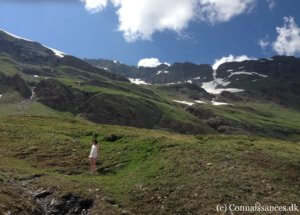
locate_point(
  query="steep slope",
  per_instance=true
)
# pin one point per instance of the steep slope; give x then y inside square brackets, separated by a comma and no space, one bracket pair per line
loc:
[269,80]
[31,54]
[31,72]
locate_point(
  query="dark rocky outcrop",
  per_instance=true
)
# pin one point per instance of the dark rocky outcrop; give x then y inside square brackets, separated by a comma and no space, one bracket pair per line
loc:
[16,83]
[60,97]
[99,107]
[121,110]
[276,80]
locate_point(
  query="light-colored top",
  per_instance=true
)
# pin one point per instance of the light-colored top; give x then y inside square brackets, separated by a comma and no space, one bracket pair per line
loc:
[94,151]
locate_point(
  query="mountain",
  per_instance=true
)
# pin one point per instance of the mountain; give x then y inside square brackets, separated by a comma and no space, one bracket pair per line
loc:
[273,80]
[162,74]
[266,80]
[30,54]
[184,97]
[31,72]
[115,67]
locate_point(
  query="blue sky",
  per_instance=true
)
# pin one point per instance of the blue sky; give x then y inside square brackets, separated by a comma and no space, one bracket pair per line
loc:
[98,32]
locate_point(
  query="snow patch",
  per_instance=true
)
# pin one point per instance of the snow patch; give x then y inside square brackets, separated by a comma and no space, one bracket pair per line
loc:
[15,36]
[212,88]
[36,76]
[56,52]
[218,103]
[200,102]
[184,102]
[105,68]
[0,96]
[247,73]
[197,78]
[161,72]
[119,62]
[230,70]
[138,81]
[189,81]
[178,82]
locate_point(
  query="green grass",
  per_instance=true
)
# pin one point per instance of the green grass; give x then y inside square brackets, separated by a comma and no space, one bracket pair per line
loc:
[160,172]
[8,67]
[260,114]
[28,107]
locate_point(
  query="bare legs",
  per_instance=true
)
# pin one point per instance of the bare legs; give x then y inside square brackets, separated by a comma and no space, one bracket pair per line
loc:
[93,165]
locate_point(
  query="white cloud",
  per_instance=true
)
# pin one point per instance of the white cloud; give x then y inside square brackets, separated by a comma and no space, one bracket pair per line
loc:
[271,4]
[230,58]
[149,62]
[94,5]
[223,10]
[140,19]
[288,39]
[264,43]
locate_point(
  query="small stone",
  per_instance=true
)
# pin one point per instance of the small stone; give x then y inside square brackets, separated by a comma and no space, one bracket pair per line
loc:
[124,212]
[209,164]
[54,202]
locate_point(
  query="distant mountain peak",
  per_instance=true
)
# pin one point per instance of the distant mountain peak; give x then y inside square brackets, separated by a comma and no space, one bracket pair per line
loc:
[56,52]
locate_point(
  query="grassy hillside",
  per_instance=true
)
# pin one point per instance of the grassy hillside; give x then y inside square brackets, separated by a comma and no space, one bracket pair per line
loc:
[140,171]
[259,119]
[85,88]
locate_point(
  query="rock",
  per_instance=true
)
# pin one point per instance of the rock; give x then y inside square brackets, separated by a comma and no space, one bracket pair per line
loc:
[208,164]
[54,202]
[31,177]
[109,200]
[41,193]
[112,137]
[124,212]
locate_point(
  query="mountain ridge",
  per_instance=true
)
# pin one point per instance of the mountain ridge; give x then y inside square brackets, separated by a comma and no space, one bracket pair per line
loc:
[70,85]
